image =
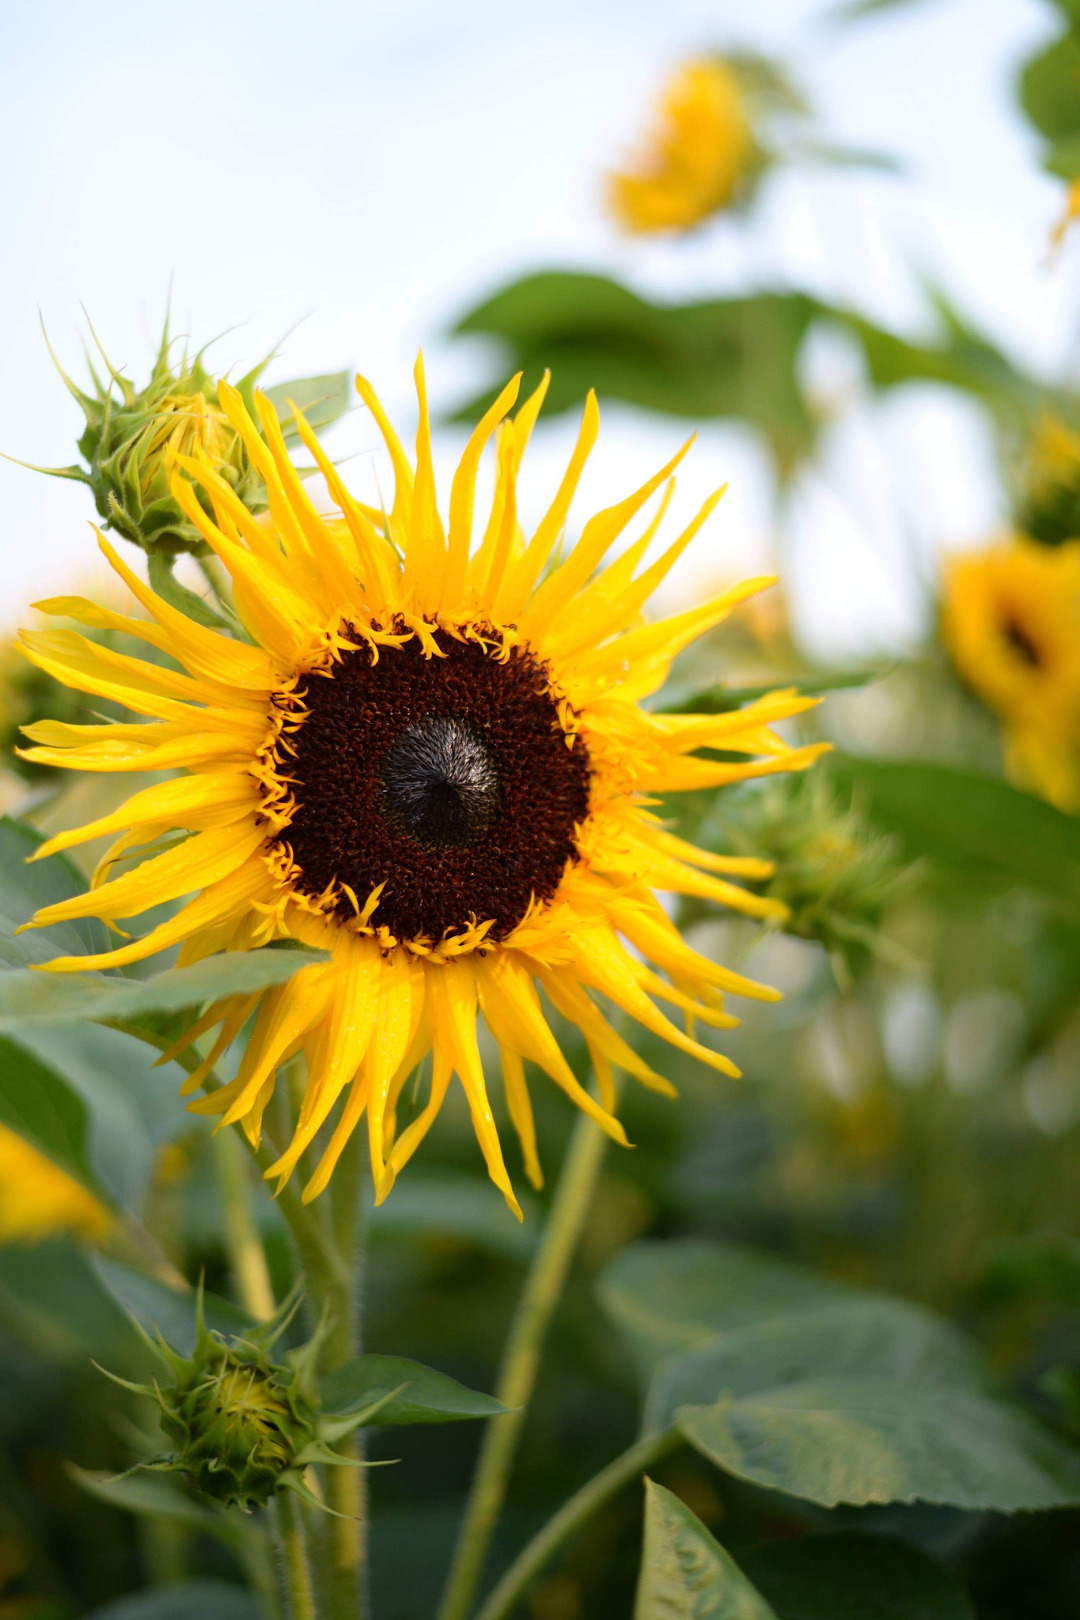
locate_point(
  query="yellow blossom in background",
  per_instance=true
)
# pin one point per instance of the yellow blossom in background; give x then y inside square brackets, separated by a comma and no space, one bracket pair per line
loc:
[696,158]
[1011,621]
[39,1200]
[430,761]
[1049,505]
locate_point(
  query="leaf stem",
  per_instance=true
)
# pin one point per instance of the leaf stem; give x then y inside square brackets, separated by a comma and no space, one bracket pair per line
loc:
[572,1516]
[521,1360]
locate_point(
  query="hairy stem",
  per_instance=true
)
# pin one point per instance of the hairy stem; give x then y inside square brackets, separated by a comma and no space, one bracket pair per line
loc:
[571,1517]
[521,1360]
[293,1558]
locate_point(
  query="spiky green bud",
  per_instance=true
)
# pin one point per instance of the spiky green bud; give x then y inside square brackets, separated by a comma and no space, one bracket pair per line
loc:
[242,1425]
[132,436]
[834,871]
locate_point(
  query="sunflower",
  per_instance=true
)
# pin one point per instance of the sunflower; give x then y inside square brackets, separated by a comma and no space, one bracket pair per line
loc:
[429,760]
[1049,509]
[1011,621]
[699,153]
[39,1200]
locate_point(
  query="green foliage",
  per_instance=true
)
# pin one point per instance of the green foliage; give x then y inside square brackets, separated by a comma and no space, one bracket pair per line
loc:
[850,1575]
[189,1600]
[872,1440]
[685,1573]
[404,1392]
[723,357]
[972,824]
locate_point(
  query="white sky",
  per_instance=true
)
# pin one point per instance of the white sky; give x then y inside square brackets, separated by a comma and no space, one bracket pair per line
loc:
[377,169]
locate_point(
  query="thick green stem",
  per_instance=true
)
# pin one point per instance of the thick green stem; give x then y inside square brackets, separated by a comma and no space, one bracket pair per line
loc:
[247,1257]
[571,1517]
[346,1537]
[293,1556]
[521,1360]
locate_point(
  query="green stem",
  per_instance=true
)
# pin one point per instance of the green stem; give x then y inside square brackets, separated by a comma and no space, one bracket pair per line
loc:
[293,1556]
[346,1538]
[243,1243]
[571,1517]
[521,1359]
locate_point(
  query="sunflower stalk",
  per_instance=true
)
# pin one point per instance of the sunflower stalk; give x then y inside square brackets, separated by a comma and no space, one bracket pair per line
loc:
[293,1561]
[247,1257]
[521,1360]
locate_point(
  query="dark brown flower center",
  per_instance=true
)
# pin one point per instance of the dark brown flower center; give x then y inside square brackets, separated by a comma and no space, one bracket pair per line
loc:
[1022,644]
[449,780]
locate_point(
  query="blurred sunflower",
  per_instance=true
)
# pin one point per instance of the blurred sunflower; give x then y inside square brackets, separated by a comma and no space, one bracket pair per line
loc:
[698,155]
[1049,508]
[429,761]
[1011,621]
[39,1200]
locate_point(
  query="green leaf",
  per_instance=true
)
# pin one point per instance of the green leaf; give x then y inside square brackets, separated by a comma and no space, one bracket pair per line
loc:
[685,1573]
[855,1576]
[187,1600]
[866,1334]
[25,888]
[29,997]
[322,399]
[157,1308]
[734,357]
[875,1440]
[722,699]
[430,1396]
[977,825]
[668,1296]
[149,1496]
[1050,89]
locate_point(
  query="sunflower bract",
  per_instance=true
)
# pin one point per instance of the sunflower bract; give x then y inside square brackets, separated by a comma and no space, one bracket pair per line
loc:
[430,761]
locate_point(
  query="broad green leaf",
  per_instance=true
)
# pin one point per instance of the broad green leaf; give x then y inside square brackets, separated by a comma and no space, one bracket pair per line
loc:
[732,357]
[722,357]
[974,824]
[429,1396]
[685,1573]
[157,1308]
[187,1600]
[150,1496]
[24,888]
[866,1334]
[669,1296]
[52,1301]
[855,1576]
[322,399]
[31,997]
[89,1099]
[38,1104]
[875,1440]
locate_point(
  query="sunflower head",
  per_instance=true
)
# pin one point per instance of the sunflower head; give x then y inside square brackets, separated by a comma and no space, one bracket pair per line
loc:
[698,158]
[428,757]
[1011,623]
[1049,508]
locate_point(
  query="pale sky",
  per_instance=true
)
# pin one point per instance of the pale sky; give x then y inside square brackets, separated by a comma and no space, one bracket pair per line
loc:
[376,170]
